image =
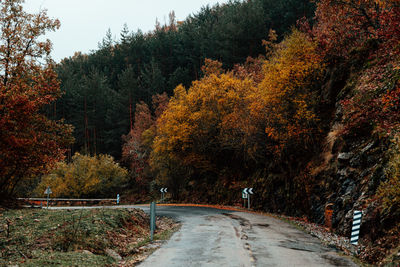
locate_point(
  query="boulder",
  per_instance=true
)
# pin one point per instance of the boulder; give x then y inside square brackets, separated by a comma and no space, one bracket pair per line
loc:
[113,254]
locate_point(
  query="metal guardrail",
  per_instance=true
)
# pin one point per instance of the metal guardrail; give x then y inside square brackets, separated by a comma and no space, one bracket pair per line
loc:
[67,199]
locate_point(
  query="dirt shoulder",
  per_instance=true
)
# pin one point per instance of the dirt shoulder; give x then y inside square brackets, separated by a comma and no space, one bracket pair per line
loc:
[95,237]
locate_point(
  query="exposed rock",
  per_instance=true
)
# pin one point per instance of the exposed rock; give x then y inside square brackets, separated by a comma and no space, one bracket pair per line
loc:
[367,147]
[342,172]
[113,254]
[345,156]
[350,188]
[356,161]
[87,252]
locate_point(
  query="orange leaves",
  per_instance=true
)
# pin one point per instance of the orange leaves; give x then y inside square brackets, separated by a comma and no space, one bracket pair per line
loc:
[284,100]
[212,67]
[247,115]
[198,122]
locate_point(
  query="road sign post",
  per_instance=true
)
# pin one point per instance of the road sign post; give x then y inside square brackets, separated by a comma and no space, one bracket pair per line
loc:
[48,192]
[152,219]
[246,194]
[163,191]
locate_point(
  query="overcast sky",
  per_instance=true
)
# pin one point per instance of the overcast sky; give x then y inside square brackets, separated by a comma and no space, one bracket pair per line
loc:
[84,22]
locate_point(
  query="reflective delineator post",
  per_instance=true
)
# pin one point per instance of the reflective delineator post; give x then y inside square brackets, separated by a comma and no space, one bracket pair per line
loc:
[355,231]
[117,199]
[152,219]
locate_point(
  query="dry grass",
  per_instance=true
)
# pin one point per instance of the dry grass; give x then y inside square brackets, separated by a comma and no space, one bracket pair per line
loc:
[43,237]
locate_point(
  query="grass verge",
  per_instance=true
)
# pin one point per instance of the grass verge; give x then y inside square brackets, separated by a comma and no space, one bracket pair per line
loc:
[90,237]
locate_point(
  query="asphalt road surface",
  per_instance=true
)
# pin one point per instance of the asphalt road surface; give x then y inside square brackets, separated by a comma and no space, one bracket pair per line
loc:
[212,237]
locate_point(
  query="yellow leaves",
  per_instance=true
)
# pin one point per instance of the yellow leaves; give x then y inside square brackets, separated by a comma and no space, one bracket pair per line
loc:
[285,96]
[294,60]
[195,120]
[85,176]
[241,118]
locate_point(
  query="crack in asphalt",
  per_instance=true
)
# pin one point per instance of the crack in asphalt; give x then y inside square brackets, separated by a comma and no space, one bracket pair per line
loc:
[245,226]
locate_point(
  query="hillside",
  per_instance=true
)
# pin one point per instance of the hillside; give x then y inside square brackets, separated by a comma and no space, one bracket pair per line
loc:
[101,89]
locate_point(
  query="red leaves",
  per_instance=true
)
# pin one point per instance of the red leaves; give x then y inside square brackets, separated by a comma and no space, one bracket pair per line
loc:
[29,142]
[137,146]
[368,30]
[346,25]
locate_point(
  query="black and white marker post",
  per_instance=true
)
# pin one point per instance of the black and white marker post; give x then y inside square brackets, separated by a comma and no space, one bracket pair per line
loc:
[246,193]
[163,191]
[355,231]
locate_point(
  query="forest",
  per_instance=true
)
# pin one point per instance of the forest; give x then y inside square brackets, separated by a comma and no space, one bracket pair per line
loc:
[298,99]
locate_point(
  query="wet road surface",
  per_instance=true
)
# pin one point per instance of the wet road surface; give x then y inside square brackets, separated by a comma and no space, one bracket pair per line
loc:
[212,237]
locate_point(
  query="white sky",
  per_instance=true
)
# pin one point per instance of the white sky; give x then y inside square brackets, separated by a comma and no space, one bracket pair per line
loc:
[84,22]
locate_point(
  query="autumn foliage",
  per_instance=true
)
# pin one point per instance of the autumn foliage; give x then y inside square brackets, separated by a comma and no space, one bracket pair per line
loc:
[137,147]
[260,123]
[348,25]
[286,97]
[85,176]
[367,34]
[29,142]
[227,121]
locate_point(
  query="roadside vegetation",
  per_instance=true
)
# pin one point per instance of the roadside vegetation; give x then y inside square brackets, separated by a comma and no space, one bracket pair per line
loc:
[95,237]
[85,176]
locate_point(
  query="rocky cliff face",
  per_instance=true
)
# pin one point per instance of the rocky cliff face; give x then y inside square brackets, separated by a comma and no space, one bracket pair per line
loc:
[348,173]
[349,180]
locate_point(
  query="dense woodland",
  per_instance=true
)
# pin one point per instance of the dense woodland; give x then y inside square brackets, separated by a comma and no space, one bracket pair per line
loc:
[102,89]
[297,99]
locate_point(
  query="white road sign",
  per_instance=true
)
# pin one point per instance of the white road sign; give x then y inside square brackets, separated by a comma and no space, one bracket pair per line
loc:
[248,191]
[48,191]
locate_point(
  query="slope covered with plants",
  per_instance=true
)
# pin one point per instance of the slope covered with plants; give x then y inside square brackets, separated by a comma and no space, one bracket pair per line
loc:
[101,89]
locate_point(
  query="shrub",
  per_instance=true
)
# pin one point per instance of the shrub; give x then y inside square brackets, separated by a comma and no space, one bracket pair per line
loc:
[85,176]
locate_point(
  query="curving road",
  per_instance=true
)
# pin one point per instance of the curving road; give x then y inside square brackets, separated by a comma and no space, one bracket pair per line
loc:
[212,237]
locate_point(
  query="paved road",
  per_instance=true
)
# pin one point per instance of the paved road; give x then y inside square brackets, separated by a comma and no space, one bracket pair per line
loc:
[212,237]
